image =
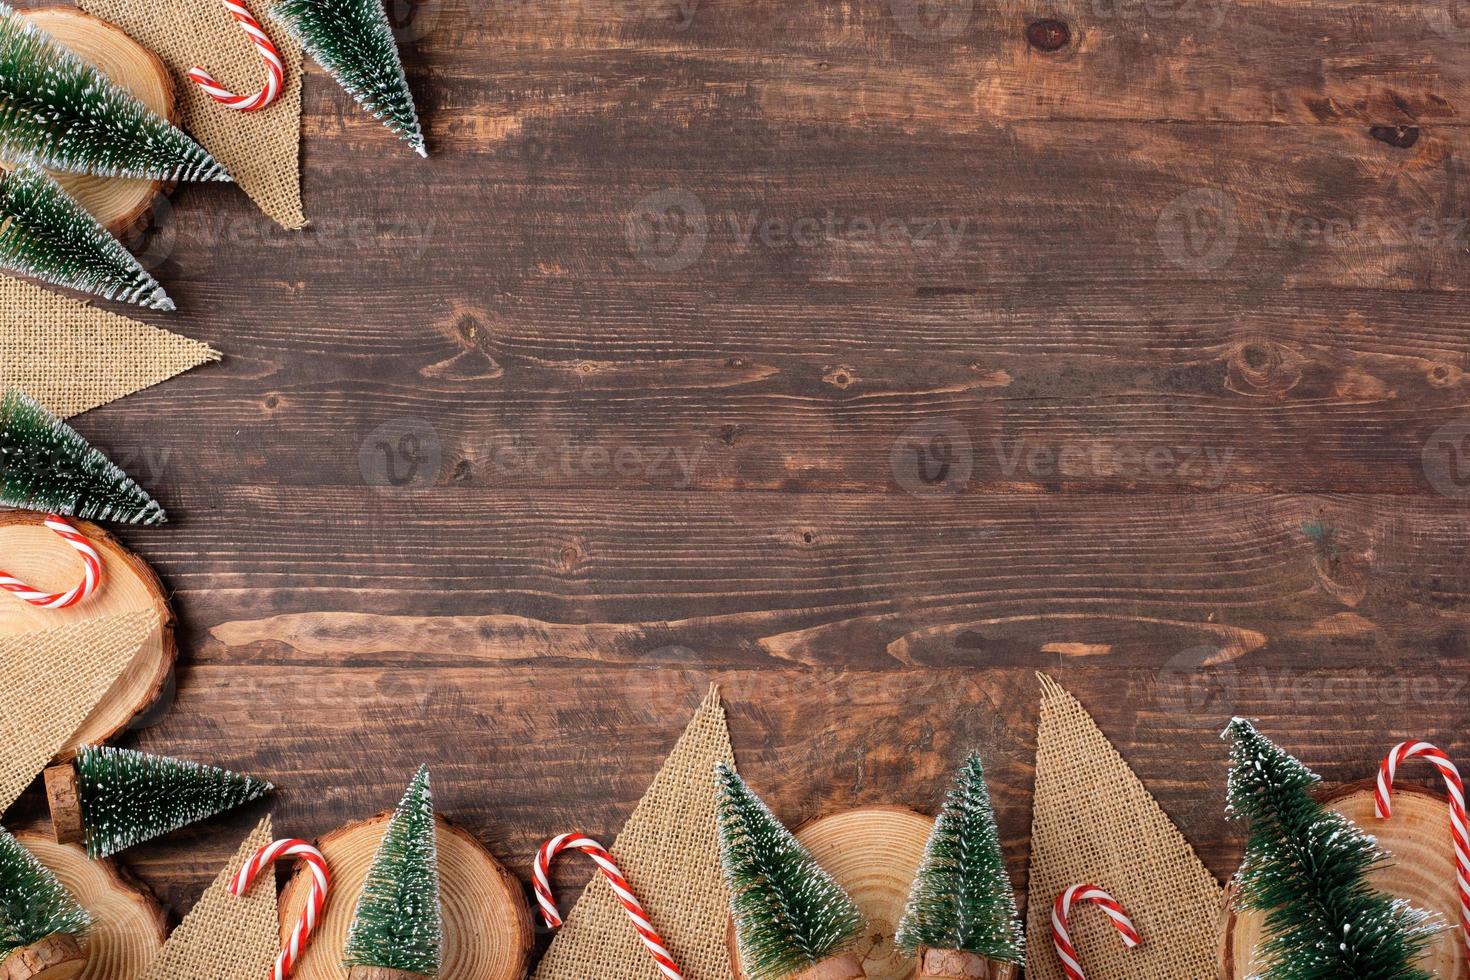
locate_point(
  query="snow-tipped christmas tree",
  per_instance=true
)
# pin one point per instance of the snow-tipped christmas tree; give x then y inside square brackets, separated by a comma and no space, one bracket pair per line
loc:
[46,234]
[46,466]
[398,924]
[1305,868]
[34,906]
[127,797]
[60,112]
[353,40]
[961,898]
[790,914]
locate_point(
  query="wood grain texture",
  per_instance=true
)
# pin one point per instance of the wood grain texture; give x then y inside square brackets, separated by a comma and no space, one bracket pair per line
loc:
[1142,362]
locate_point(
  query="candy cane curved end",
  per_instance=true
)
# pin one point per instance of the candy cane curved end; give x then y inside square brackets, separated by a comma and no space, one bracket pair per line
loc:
[91,572]
[1062,909]
[316,899]
[275,70]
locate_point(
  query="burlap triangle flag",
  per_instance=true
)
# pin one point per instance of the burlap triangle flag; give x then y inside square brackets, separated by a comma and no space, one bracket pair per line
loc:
[1094,822]
[71,357]
[53,678]
[261,149]
[225,937]
[670,855]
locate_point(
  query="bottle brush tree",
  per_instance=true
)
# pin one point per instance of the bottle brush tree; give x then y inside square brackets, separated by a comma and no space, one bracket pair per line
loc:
[961,909]
[790,914]
[115,798]
[46,234]
[60,112]
[46,466]
[40,921]
[1306,869]
[397,929]
[354,42]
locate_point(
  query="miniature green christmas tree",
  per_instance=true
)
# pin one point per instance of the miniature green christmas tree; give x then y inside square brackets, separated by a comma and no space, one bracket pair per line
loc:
[789,913]
[46,234]
[34,905]
[46,466]
[1305,867]
[127,797]
[961,899]
[60,112]
[353,40]
[398,923]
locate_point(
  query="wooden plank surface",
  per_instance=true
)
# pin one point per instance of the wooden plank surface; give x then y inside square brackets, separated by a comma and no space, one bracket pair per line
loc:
[861,357]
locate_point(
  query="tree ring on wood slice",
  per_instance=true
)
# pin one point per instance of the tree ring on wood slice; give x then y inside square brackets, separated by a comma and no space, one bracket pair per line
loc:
[41,559]
[955,964]
[487,923]
[128,926]
[1422,870]
[56,957]
[65,803]
[120,203]
[873,852]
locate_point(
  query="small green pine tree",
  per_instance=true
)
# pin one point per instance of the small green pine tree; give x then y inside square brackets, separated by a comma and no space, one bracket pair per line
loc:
[789,913]
[46,234]
[60,112]
[46,466]
[33,904]
[1305,867]
[398,923]
[353,40]
[961,897]
[128,797]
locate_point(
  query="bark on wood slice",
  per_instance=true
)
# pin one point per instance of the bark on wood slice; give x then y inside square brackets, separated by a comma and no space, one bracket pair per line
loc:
[65,803]
[873,852]
[128,926]
[43,560]
[954,964]
[53,958]
[120,203]
[487,923]
[1422,871]
[377,973]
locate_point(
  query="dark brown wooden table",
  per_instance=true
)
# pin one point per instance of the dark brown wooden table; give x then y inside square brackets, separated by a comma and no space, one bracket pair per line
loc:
[865,358]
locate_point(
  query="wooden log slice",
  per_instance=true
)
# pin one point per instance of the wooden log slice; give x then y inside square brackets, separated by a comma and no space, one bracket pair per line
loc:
[874,853]
[1422,871]
[42,559]
[128,926]
[487,923]
[56,957]
[120,203]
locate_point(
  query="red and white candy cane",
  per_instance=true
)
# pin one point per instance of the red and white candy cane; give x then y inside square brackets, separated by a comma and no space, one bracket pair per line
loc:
[321,884]
[91,572]
[275,71]
[1063,908]
[1383,804]
[620,888]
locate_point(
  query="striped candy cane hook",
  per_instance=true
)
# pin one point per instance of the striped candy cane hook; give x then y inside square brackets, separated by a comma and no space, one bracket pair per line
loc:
[275,71]
[1063,908]
[604,861]
[91,572]
[321,884]
[1383,804]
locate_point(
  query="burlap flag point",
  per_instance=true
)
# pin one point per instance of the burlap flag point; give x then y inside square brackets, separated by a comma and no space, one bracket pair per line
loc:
[225,937]
[670,855]
[72,357]
[1095,822]
[53,679]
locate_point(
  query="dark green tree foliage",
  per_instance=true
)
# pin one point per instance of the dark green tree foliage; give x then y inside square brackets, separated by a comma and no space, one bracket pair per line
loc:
[353,40]
[33,904]
[789,913]
[46,466]
[398,924]
[1305,868]
[128,797]
[961,897]
[46,234]
[60,112]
